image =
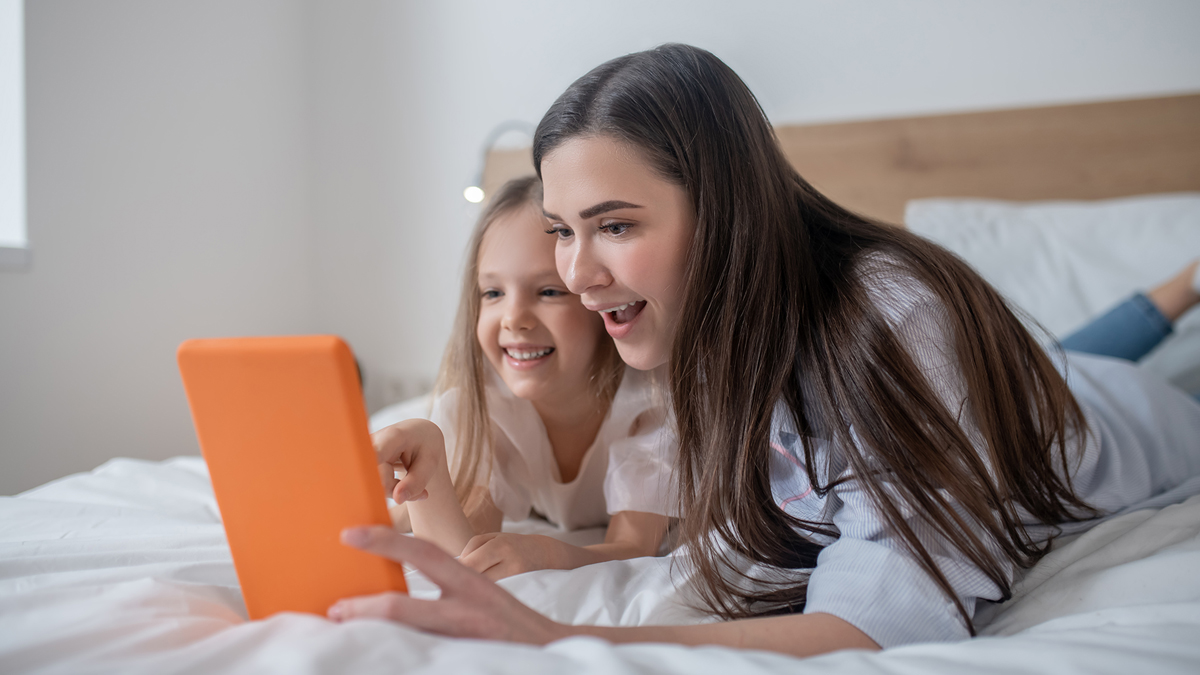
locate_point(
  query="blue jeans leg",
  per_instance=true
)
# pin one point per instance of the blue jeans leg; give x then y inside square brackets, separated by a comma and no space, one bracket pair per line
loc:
[1128,331]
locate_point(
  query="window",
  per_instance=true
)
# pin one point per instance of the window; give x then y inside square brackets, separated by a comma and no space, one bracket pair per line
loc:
[14,244]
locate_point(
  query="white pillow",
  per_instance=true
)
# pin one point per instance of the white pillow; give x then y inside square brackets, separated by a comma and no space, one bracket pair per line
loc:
[1066,262]
[413,408]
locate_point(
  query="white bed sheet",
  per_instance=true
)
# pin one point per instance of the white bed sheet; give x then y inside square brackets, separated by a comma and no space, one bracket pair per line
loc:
[125,569]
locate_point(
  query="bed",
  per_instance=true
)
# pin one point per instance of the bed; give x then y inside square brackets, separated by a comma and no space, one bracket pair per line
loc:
[125,568]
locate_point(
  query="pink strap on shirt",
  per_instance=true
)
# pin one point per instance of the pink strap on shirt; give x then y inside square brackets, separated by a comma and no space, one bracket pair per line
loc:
[793,460]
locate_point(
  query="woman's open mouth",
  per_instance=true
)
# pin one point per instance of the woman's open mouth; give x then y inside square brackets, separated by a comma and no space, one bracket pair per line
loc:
[618,321]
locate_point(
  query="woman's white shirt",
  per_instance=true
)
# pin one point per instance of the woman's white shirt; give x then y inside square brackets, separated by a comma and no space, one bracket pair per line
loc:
[627,468]
[1142,450]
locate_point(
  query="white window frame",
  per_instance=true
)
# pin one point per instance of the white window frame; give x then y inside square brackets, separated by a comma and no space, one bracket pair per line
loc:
[14,233]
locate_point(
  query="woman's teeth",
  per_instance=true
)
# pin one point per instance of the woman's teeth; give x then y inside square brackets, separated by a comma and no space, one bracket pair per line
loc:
[528,356]
[620,314]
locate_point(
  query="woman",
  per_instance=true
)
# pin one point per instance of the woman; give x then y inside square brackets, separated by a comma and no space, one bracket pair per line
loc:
[849,398]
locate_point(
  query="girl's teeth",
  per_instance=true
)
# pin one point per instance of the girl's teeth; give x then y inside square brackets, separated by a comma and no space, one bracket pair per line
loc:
[527,356]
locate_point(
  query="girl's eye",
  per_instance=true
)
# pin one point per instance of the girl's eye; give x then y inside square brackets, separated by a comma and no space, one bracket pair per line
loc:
[553,292]
[490,294]
[615,229]
[560,231]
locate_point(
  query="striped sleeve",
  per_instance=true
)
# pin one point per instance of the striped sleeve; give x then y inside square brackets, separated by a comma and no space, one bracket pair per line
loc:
[867,577]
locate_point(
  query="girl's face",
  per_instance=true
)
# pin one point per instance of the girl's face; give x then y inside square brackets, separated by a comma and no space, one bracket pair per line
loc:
[535,333]
[623,237]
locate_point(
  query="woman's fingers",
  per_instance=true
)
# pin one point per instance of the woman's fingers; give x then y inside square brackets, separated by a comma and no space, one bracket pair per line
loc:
[470,618]
[470,605]
[392,606]
[432,616]
[435,563]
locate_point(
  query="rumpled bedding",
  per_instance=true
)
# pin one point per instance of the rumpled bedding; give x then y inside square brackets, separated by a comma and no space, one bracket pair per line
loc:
[125,569]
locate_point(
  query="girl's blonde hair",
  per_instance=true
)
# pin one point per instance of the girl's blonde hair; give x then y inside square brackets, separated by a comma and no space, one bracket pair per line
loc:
[464,367]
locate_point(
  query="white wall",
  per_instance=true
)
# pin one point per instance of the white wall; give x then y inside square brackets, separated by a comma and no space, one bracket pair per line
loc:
[168,198]
[413,90]
[206,167]
[12,127]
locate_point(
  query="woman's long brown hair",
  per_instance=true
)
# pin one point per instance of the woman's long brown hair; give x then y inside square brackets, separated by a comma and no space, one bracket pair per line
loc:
[775,298]
[464,367]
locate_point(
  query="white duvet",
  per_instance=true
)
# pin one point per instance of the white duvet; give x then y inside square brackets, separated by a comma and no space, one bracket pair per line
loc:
[125,569]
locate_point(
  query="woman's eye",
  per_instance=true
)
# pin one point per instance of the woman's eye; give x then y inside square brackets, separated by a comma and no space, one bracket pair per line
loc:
[560,231]
[490,294]
[615,229]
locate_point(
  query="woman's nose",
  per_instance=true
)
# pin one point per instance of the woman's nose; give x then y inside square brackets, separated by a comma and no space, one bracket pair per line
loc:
[579,268]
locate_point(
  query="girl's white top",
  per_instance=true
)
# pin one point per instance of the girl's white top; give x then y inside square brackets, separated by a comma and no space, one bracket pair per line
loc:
[1142,451]
[627,468]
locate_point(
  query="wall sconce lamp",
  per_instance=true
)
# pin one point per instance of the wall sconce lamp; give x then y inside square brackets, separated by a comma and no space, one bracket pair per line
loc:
[474,192]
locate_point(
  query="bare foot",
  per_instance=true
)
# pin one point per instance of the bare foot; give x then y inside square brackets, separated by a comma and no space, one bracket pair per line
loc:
[1178,294]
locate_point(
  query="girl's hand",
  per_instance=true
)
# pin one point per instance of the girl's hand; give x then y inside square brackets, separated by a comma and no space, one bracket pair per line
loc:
[470,606]
[417,449]
[501,554]
[432,507]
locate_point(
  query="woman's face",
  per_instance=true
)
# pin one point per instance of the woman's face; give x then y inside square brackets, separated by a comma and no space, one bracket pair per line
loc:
[623,236]
[535,333]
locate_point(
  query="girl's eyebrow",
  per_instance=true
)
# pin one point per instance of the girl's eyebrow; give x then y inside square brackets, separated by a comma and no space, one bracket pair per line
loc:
[593,211]
[535,277]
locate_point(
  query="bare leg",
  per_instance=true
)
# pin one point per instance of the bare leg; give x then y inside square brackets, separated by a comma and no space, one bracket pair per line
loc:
[1133,328]
[1178,294]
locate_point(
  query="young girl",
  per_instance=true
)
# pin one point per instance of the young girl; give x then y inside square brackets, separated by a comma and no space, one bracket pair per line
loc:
[864,427]
[538,415]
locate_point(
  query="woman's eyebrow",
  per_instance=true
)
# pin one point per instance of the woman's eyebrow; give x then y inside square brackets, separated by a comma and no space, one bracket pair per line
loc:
[593,211]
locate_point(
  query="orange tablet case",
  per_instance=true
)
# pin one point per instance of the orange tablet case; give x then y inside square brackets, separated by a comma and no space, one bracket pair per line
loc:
[283,429]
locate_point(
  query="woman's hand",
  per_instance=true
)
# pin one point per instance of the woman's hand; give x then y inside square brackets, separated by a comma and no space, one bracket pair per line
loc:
[502,554]
[471,606]
[414,447]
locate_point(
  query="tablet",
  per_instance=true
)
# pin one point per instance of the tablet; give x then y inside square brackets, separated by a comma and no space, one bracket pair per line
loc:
[283,430]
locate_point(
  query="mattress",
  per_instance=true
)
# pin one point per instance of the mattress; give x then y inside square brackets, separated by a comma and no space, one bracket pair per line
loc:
[125,569]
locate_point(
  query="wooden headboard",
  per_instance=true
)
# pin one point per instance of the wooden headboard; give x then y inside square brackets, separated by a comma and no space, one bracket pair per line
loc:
[1088,151]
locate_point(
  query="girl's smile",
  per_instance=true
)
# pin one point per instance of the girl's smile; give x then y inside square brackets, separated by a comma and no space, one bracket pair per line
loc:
[524,356]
